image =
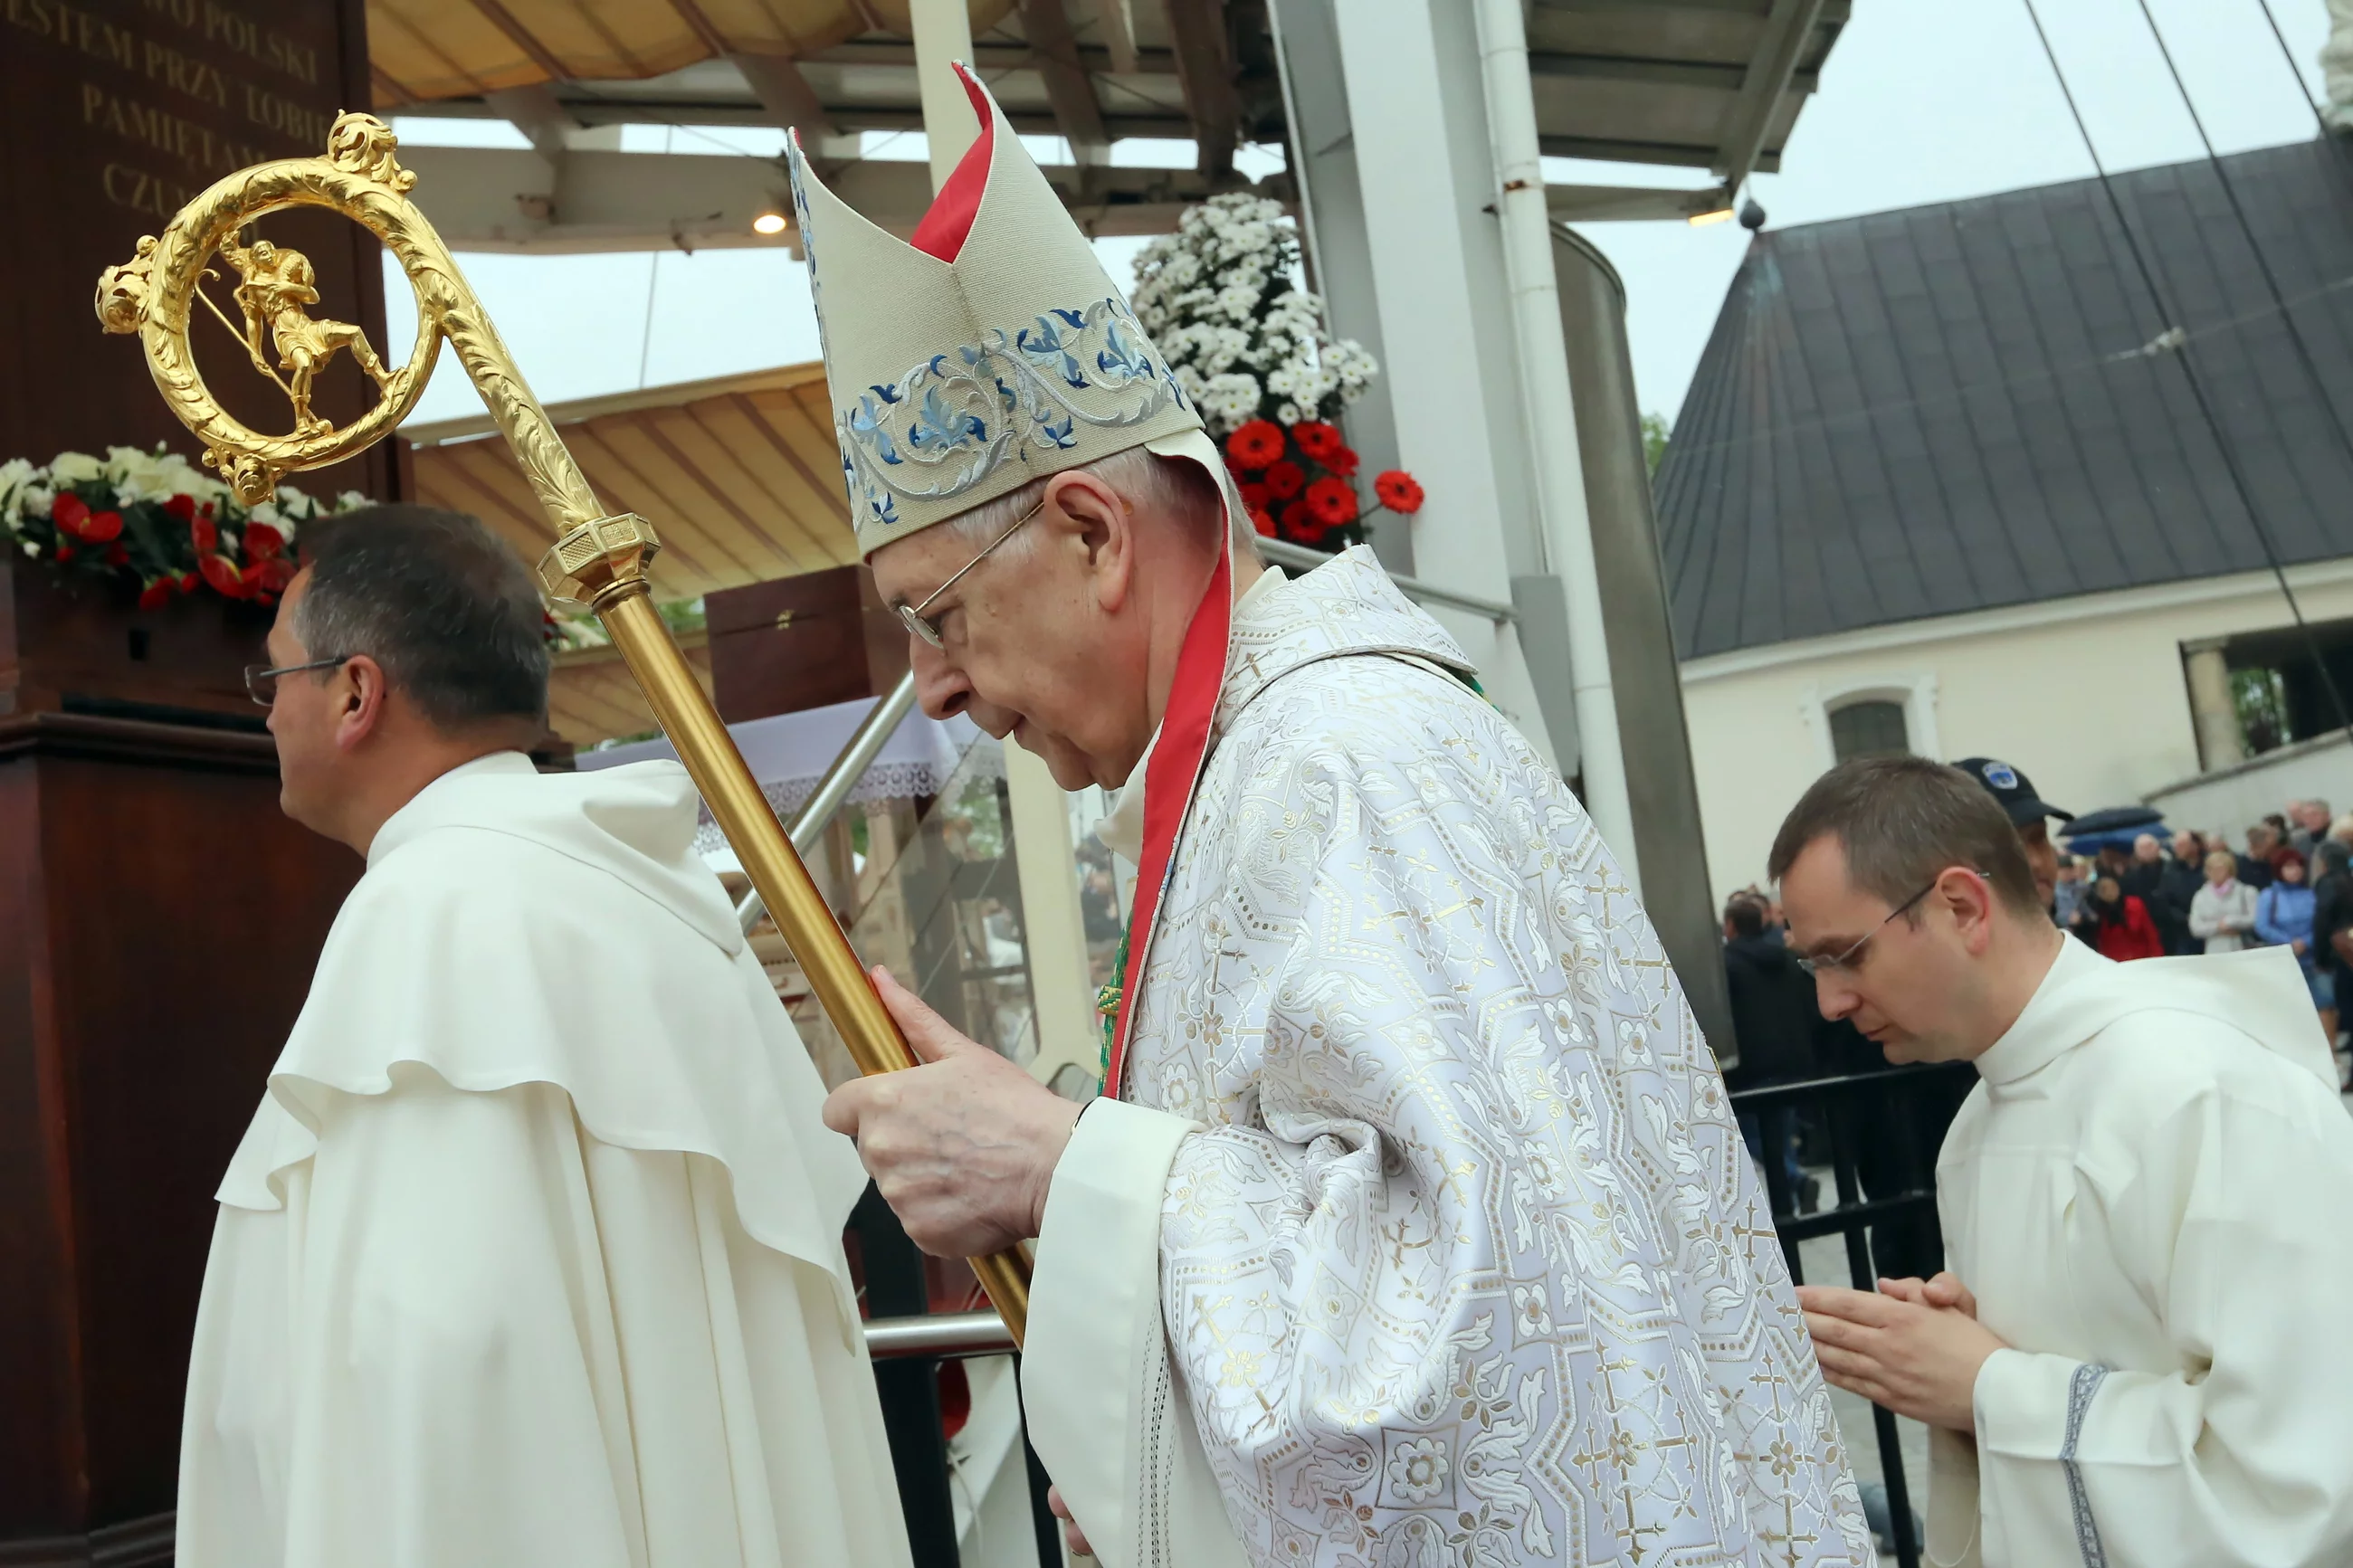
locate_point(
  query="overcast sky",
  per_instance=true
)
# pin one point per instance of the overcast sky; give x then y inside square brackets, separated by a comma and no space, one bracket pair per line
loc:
[1923,100]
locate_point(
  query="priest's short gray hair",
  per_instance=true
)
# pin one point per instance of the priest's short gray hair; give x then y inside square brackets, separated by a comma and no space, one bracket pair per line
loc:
[439,601]
[1173,488]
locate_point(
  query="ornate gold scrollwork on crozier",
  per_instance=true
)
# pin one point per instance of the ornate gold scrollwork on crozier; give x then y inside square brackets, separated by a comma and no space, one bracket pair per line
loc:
[277,288]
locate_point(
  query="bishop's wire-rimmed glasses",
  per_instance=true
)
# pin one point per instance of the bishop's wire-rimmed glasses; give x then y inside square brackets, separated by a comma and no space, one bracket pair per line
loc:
[1851,959]
[261,680]
[911,615]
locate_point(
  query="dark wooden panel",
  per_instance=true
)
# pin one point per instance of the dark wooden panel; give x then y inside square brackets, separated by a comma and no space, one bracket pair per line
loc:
[802,642]
[66,636]
[185,917]
[161,921]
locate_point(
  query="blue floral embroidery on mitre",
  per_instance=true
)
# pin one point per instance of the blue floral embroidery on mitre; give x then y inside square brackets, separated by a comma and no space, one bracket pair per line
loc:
[958,417]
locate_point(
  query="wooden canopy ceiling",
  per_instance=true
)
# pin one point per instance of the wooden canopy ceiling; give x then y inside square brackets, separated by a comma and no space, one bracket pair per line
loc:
[740,476]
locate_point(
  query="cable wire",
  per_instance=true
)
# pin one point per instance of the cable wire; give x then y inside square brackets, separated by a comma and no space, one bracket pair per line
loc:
[2195,383]
[2294,69]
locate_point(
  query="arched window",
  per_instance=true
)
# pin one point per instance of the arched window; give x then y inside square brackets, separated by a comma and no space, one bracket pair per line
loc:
[1868,729]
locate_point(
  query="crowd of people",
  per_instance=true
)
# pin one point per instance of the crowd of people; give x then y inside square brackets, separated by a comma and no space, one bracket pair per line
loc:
[2291,886]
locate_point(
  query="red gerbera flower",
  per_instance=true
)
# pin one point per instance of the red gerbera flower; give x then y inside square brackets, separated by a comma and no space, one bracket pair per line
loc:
[1342,460]
[1255,445]
[222,574]
[1332,502]
[1317,439]
[1397,491]
[1256,495]
[263,542]
[1285,480]
[1300,523]
[156,594]
[1262,519]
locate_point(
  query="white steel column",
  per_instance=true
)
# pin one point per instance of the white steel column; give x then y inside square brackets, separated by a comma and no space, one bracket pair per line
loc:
[943,36]
[1061,989]
[1567,530]
[1458,428]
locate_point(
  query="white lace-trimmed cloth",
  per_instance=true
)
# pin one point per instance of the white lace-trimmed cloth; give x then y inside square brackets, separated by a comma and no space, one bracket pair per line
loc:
[789,755]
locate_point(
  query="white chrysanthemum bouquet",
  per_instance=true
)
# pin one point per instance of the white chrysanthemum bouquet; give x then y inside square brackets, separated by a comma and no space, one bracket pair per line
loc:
[1250,349]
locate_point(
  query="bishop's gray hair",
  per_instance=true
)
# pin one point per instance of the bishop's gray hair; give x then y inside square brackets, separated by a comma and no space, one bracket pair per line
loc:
[435,598]
[1174,488]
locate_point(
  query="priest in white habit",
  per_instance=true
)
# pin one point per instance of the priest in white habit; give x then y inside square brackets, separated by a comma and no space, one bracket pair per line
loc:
[2137,1356]
[1413,1227]
[531,1253]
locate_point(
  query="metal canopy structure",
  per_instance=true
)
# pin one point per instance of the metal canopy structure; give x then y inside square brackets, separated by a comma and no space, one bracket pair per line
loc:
[1706,84]
[740,474]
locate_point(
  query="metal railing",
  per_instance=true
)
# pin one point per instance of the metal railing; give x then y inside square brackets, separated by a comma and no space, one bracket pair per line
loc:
[909,1343]
[1880,1130]
[1283,553]
[825,802]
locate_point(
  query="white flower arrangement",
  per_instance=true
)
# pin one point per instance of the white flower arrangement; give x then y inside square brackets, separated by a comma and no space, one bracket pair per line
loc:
[157,521]
[1220,299]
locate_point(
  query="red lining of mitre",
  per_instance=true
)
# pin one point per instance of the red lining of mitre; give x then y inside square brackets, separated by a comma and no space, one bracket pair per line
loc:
[944,226]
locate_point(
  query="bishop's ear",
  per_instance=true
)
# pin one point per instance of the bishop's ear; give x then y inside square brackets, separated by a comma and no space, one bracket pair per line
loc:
[1089,518]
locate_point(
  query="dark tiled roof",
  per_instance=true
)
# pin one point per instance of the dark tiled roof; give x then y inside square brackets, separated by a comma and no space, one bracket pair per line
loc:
[1952,407]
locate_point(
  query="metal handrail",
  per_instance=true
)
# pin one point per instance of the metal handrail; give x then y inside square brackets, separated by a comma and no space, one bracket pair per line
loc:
[1285,553]
[946,1335]
[817,814]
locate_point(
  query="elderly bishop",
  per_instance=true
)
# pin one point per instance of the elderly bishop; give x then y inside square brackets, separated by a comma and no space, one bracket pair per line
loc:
[1413,1227]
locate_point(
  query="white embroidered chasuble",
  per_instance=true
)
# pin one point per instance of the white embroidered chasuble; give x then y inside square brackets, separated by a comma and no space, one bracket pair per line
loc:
[2146,1193]
[531,1253]
[1424,1234]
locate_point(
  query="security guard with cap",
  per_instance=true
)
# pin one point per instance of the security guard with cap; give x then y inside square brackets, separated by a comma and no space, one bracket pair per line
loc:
[2029,812]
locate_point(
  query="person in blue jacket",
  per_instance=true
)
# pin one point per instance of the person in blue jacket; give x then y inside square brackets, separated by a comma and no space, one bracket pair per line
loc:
[2284,918]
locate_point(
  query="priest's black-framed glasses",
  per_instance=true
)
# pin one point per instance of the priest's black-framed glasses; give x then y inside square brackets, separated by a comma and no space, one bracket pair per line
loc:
[261,680]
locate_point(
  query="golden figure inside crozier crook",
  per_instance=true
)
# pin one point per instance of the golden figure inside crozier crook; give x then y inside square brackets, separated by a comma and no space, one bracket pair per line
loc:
[278,284]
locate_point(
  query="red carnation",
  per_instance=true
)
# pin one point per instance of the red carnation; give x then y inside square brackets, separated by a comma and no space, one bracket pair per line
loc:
[1332,502]
[182,507]
[222,574]
[263,542]
[1397,491]
[65,550]
[1255,445]
[1256,495]
[156,595]
[188,581]
[1317,439]
[1342,460]
[1262,519]
[1285,480]
[205,534]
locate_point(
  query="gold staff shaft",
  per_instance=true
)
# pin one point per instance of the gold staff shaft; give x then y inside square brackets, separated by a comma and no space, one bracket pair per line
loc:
[598,559]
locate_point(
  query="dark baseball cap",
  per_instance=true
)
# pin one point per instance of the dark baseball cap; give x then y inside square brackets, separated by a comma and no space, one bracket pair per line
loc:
[2013,789]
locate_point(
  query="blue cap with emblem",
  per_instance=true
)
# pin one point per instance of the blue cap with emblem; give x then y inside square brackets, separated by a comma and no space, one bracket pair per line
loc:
[2013,789]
